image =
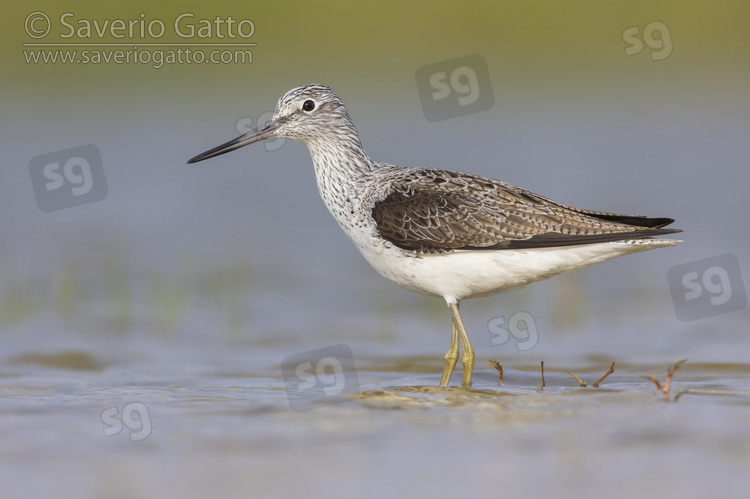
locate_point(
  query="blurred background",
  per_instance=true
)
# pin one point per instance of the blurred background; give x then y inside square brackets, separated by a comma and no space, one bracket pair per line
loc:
[181,275]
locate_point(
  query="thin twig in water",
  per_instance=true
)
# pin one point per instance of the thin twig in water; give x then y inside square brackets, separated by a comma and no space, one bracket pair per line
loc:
[595,385]
[543,383]
[668,382]
[611,370]
[580,383]
[656,382]
[494,363]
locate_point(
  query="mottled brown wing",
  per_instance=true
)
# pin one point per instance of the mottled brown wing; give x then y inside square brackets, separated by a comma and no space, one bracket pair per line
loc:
[459,214]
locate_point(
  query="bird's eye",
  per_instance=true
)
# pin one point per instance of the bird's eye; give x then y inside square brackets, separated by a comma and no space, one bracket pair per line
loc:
[308,105]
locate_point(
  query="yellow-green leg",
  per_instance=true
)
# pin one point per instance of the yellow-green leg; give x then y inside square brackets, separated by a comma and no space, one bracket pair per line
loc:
[458,333]
[467,354]
[451,357]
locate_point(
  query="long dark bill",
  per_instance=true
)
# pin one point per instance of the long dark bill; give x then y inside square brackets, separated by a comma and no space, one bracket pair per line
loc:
[256,135]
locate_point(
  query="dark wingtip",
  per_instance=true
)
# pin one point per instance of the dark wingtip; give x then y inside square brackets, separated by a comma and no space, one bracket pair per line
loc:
[634,220]
[658,223]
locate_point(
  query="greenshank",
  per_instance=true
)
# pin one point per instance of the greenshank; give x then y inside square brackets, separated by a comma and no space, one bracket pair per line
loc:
[439,232]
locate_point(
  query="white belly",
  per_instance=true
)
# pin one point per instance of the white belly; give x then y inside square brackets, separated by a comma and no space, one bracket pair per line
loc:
[472,273]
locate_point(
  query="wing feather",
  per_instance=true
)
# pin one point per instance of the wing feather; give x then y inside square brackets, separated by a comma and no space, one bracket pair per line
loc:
[438,210]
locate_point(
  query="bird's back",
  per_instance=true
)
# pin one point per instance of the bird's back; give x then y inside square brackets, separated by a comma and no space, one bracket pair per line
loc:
[427,211]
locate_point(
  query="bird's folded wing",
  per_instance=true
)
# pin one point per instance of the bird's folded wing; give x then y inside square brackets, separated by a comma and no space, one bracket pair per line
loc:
[468,212]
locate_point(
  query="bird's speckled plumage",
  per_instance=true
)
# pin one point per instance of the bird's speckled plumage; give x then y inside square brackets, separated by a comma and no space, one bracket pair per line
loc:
[440,232]
[440,210]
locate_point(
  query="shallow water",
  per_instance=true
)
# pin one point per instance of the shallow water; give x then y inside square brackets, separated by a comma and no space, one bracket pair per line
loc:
[195,412]
[134,367]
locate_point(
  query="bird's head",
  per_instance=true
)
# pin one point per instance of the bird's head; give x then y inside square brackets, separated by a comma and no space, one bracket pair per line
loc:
[305,114]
